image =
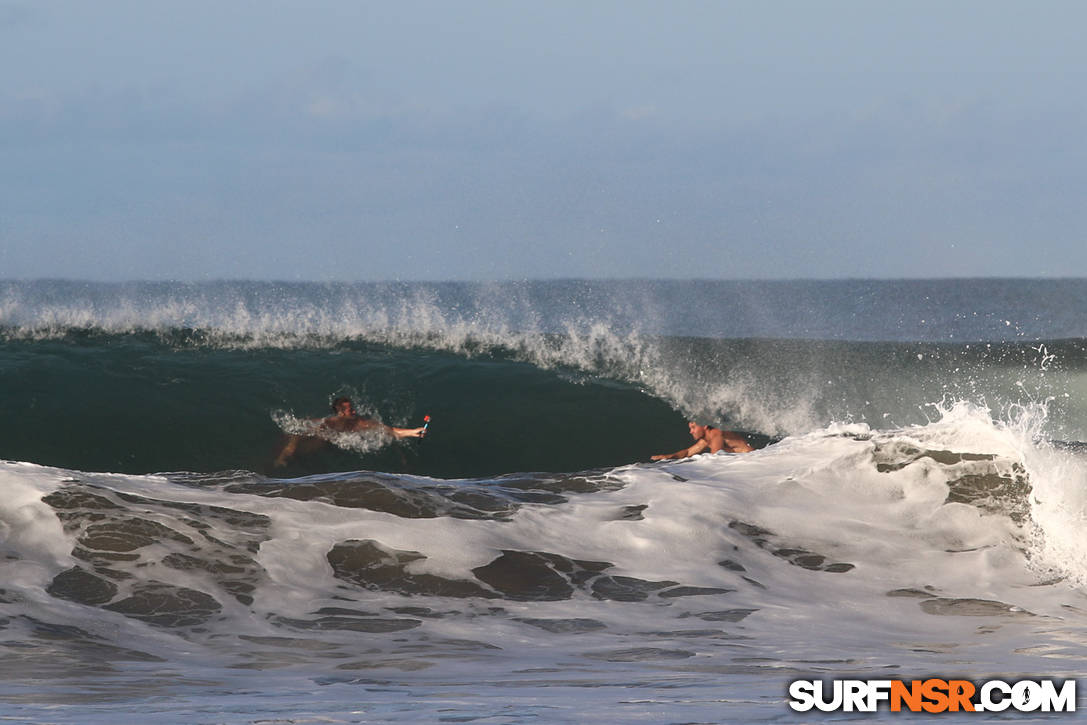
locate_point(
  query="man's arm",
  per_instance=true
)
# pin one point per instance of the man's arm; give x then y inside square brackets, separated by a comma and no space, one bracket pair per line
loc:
[698,447]
[364,424]
[399,433]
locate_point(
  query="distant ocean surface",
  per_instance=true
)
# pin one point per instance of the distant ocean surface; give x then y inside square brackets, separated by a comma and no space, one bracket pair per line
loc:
[915,506]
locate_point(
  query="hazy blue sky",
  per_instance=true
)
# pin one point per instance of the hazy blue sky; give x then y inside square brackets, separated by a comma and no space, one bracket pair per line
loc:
[492,140]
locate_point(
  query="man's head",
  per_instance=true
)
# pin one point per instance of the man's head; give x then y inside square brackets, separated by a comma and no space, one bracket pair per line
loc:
[343,406]
[697,431]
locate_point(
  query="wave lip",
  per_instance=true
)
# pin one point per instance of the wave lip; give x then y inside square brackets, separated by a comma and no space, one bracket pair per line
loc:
[858,310]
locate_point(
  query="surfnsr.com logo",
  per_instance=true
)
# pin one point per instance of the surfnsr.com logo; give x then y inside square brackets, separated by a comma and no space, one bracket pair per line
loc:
[933,695]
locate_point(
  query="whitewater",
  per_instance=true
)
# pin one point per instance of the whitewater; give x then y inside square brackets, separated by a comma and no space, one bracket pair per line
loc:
[914,508]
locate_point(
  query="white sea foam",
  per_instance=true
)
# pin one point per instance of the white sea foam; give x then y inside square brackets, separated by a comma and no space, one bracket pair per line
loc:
[854,561]
[29,528]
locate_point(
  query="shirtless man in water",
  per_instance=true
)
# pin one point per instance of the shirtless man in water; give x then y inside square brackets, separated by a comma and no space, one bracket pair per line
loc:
[706,437]
[344,419]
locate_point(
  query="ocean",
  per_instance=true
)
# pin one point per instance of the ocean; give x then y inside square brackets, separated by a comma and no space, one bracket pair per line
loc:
[914,507]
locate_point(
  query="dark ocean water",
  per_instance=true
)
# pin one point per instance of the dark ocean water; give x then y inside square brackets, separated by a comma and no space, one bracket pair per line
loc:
[919,456]
[136,404]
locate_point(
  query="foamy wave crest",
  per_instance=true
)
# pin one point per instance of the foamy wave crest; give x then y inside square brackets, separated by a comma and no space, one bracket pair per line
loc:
[455,318]
[1008,467]
[620,333]
[468,321]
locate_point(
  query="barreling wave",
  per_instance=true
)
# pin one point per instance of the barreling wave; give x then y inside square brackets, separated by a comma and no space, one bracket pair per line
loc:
[560,376]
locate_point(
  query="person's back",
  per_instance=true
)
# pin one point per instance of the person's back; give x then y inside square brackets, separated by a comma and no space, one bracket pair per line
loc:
[726,440]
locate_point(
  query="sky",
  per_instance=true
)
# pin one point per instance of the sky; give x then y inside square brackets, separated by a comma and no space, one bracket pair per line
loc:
[492,140]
